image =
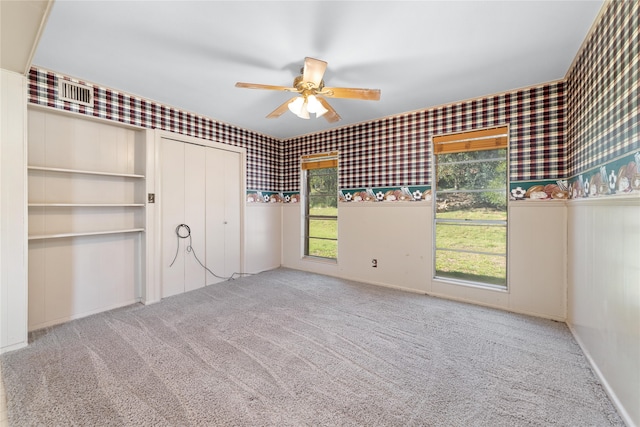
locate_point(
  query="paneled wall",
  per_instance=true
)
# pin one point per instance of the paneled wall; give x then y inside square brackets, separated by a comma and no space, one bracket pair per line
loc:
[263,237]
[604,293]
[13,210]
[603,136]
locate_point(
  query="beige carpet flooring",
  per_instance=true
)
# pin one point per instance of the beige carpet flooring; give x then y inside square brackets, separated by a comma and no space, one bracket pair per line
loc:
[288,348]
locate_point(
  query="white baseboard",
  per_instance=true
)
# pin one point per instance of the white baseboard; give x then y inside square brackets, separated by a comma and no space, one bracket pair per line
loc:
[13,347]
[607,388]
[83,314]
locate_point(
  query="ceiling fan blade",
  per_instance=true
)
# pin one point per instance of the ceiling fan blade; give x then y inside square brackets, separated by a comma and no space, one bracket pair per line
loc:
[331,116]
[281,109]
[313,71]
[261,86]
[352,93]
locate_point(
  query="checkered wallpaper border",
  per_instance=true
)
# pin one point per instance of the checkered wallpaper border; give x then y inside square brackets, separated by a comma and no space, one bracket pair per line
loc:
[264,154]
[396,151]
[603,89]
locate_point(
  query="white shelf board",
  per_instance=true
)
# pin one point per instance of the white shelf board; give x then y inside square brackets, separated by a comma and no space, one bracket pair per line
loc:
[89,233]
[85,172]
[88,205]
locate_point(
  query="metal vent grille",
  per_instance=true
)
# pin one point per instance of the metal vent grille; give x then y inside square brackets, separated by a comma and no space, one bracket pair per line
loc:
[75,92]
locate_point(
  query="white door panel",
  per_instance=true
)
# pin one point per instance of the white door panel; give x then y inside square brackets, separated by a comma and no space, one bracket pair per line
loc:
[172,201]
[215,214]
[232,214]
[194,217]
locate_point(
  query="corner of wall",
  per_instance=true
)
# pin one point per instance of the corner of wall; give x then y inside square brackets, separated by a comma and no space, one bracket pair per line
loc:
[13,224]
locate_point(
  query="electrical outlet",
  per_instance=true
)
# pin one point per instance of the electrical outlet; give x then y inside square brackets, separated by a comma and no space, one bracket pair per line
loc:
[374,263]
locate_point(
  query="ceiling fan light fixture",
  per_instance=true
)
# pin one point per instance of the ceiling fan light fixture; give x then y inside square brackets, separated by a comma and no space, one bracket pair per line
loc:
[314,106]
[299,107]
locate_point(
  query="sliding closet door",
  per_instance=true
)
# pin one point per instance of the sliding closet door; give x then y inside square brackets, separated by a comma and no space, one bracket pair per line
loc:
[233,198]
[223,213]
[201,187]
[172,201]
[215,191]
[194,215]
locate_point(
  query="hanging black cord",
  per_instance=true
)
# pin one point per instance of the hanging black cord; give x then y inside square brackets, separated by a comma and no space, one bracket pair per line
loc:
[180,235]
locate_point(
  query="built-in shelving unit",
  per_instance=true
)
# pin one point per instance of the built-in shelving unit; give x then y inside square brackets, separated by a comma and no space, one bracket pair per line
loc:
[96,205]
[93,233]
[86,212]
[85,172]
[63,200]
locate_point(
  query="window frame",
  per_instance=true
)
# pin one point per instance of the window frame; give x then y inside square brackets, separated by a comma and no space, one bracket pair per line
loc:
[482,139]
[317,162]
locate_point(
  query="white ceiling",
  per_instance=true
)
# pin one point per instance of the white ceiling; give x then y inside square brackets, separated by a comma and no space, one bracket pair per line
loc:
[189,54]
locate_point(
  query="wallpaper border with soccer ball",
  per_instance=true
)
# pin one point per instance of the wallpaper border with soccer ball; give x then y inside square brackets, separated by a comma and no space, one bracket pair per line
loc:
[412,193]
[618,177]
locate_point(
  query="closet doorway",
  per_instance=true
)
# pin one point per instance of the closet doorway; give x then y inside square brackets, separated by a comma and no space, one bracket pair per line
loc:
[200,196]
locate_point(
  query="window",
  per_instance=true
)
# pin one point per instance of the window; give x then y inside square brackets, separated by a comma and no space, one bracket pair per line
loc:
[320,178]
[470,219]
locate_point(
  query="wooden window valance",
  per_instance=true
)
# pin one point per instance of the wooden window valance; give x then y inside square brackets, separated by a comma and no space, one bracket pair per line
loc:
[319,161]
[486,139]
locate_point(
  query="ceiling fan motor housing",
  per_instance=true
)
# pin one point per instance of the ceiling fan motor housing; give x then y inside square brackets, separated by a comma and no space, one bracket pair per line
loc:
[301,85]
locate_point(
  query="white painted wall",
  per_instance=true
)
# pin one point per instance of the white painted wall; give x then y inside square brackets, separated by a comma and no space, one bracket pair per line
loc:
[263,244]
[538,258]
[13,205]
[151,248]
[395,234]
[604,293]
[399,236]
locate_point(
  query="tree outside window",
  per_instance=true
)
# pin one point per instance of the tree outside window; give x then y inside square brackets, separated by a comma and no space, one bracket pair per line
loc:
[470,219]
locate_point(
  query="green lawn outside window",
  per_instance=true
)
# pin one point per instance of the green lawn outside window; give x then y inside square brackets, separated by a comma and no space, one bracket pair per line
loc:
[321,213]
[470,226]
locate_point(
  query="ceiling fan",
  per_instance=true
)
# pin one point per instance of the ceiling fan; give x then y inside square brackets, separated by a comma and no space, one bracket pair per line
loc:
[312,91]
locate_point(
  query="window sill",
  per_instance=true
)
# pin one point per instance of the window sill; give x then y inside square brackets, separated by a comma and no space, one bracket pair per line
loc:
[350,205]
[487,287]
[320,260]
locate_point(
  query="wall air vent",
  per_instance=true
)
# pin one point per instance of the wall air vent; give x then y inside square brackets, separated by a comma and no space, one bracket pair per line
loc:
[75,92]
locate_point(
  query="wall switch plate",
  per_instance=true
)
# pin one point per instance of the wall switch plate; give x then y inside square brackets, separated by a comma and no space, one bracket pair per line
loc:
[151,198]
